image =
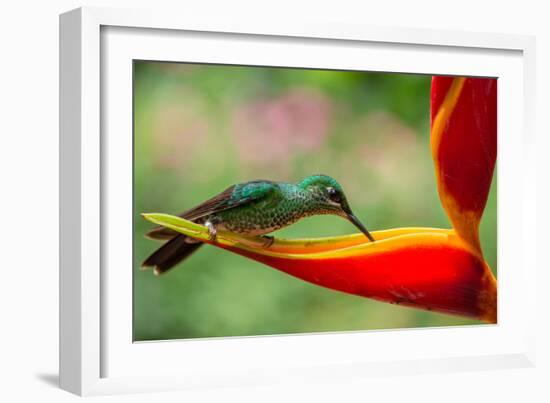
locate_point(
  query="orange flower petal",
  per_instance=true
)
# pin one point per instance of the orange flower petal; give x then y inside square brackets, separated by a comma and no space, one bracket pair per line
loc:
[432,271]
[425,268]
[464,140]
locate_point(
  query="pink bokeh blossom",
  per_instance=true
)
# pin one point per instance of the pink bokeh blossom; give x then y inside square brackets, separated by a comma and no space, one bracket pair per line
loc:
[272,130]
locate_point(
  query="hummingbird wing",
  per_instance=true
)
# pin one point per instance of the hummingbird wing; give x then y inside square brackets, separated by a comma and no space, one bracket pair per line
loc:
[234,196]
[178,246]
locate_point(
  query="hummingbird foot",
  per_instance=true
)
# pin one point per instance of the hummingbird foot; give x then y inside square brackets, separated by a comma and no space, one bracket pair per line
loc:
[212,231]
[268,240]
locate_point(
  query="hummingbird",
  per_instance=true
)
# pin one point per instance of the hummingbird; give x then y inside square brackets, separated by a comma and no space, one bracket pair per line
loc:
[254,208]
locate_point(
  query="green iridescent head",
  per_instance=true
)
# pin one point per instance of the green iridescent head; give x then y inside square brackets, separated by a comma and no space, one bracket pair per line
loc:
[330,196]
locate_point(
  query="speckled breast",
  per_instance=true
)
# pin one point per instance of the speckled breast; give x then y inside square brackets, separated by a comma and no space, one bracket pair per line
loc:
[263,218]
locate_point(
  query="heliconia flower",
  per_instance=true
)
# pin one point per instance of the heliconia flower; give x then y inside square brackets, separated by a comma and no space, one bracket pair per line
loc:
[428,268]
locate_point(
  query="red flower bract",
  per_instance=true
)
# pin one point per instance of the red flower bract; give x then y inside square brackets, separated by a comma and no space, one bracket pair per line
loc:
[433,271]
[464,144]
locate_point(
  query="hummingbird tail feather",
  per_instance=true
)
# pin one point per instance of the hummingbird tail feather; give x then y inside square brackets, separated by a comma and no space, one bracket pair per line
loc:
[170,254]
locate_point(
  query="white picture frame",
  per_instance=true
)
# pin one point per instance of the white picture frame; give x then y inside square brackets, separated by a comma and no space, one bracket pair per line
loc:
[97,354]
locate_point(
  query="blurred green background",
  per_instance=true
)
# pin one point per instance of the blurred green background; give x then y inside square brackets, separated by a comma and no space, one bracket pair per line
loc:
[200,128]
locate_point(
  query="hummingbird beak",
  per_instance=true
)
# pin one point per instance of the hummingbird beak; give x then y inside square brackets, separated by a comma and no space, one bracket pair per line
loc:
[355,221]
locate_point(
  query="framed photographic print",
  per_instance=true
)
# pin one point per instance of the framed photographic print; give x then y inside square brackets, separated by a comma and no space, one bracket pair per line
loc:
[242,203]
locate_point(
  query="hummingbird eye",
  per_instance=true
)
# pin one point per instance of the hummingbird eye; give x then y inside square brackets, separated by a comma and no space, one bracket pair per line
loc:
[334,195]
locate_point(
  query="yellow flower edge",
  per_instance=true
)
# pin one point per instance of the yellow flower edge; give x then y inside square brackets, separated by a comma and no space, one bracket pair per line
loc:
[315,248]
